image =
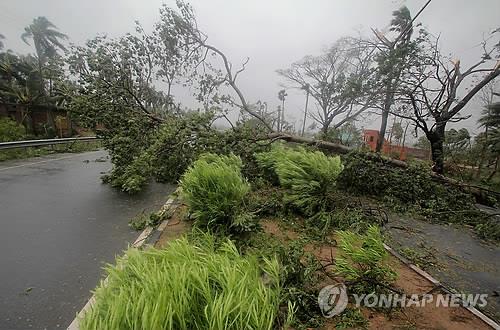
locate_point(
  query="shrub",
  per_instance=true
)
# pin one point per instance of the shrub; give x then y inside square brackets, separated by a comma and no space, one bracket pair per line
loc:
[362,261]
[207,285]
[309,177]
[214,191]
[10,130]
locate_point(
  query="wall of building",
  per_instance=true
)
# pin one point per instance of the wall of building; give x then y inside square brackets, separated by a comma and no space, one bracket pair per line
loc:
[371,136]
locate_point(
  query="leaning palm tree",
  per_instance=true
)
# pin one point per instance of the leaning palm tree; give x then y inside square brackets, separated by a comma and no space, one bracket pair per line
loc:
[46,38]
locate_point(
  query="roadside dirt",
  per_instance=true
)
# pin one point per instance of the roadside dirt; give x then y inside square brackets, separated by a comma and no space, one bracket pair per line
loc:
[408,281]
[176,227]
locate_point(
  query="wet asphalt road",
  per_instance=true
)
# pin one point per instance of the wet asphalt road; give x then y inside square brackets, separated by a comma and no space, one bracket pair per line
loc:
[58,226]
[462,261]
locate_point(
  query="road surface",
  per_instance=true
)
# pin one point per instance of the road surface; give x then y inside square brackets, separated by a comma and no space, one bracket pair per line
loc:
[461,260]
[58,226]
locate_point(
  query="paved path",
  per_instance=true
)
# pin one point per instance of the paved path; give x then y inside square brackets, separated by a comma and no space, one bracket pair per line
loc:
[58,225]
[453,255]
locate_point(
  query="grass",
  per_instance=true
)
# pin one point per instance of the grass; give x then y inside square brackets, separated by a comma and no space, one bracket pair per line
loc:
[215,192]
[362,261]
[267,279]
[309,177]
[205,284]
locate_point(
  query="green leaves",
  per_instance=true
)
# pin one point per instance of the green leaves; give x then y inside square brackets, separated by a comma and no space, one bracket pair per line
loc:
[362,261]
[10,130]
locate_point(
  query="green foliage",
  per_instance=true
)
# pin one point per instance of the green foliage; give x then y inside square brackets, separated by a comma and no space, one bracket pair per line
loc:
[144,220]
[403,189]
[308,177]
[266,201]
[488,229]
[202,285]
[299,276]
[347,218]
[362,261]
[351,318]
[215,193]
[10,130]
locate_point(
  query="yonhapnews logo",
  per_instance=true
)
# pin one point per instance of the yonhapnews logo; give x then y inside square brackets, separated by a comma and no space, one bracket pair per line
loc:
[333,299]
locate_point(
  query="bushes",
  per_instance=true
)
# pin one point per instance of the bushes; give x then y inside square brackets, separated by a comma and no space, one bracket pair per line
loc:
[403,189]
[362,261]
[309,177]
[187,286]
[215,191]
[10,130]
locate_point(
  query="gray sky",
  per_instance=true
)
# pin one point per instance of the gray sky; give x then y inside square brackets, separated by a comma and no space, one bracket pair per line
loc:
[273,33]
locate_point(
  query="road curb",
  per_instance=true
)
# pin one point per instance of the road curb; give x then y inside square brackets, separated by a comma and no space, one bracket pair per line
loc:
[147,237]
[438,284]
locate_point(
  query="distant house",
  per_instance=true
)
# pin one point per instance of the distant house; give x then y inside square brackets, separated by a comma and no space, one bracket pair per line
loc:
[371,136]
[39,119]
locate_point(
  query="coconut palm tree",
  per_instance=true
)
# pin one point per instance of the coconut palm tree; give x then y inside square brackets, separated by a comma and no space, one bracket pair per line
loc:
[45,36]
[490,119]
[47,40]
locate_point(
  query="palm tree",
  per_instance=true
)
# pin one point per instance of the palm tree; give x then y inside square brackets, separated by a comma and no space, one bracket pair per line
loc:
[46,38]
[2,37]
[490,119]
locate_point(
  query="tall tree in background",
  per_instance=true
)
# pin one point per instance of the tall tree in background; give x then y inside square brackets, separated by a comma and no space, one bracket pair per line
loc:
[487,97]
[281,96]
[2,37]
[393,57]
[490,120]
[47,41]
[338,80]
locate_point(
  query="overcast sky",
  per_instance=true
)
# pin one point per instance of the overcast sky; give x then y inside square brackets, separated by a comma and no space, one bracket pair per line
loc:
[273,33]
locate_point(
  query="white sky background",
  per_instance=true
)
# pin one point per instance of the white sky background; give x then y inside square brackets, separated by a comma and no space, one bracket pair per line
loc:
[273,33]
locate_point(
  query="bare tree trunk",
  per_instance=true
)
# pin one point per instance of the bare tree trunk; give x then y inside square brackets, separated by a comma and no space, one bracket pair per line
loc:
[436,138]
[305,113]
[385,116]
[282,114]
[404,134]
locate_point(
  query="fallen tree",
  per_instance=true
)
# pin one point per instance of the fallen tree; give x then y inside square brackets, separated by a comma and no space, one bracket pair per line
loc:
[480,193]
